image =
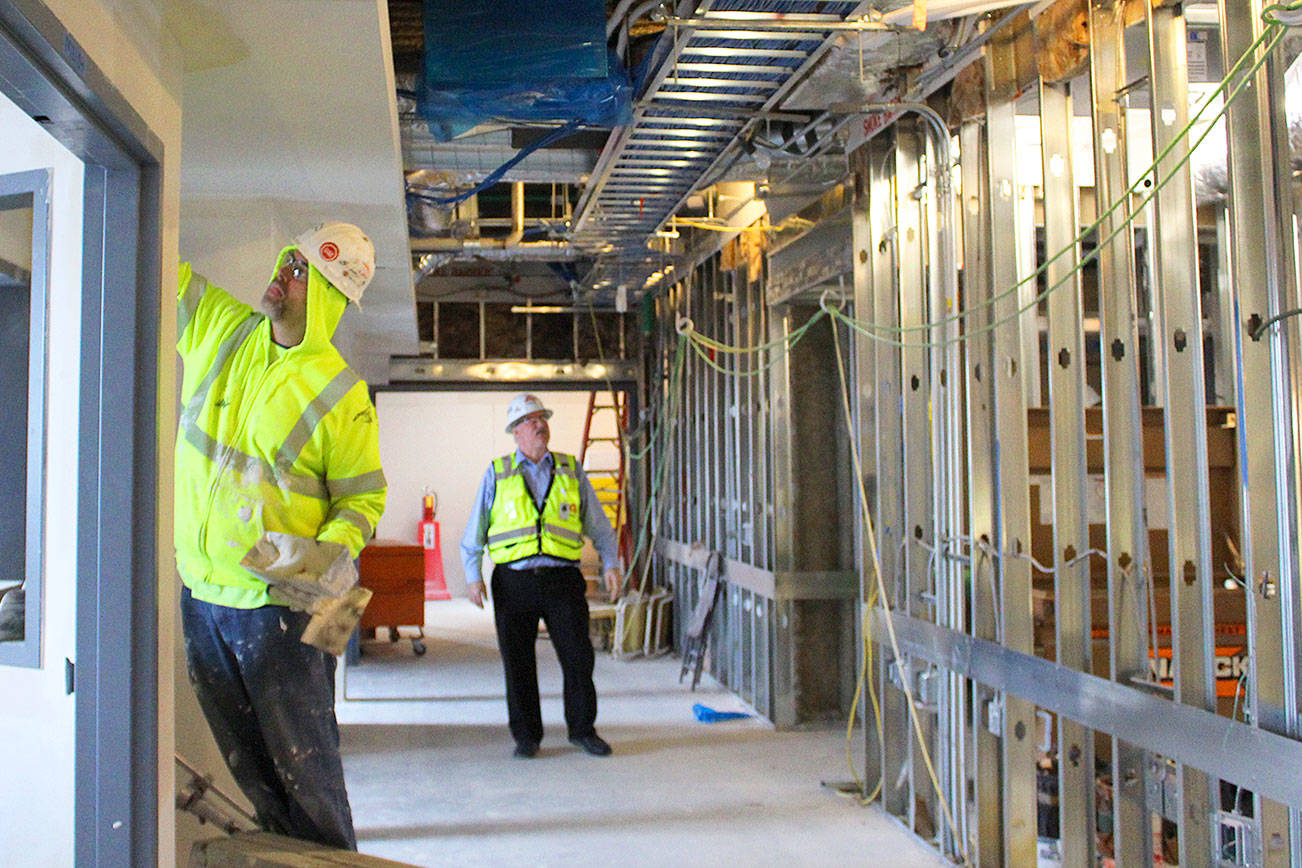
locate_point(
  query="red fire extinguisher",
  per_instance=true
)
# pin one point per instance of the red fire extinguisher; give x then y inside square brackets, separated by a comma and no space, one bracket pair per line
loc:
[436,587]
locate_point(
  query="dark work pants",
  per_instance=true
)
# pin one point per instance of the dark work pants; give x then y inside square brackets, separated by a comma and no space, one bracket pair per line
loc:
[555,594]
[269,700]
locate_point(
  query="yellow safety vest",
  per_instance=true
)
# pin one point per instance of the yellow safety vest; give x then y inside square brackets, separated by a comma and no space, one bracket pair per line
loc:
[516,529]
[269,439]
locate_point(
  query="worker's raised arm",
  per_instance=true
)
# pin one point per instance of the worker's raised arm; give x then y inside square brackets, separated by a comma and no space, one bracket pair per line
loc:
[205,314]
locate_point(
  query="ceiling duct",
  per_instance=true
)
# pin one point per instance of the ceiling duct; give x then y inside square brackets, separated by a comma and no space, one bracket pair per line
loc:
[519,61]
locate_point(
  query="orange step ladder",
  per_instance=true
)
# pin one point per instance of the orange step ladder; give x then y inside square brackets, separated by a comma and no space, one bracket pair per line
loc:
[608,472]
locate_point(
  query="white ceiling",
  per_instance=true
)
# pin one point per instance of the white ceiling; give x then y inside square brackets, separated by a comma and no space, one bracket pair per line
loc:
[289,108]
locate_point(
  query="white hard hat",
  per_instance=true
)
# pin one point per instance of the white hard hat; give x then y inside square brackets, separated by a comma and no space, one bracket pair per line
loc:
[342,253]
[522,405]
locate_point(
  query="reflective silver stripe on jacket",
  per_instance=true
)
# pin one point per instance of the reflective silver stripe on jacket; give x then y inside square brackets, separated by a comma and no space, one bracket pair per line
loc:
[361,484]
[353,517]
[512,468]
[189,303]
[250,469]
[313,413]
[227,348]
[508,535]
[563,533]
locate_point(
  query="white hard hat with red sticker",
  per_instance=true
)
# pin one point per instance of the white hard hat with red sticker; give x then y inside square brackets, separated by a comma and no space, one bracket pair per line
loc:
[342,253]
[523,405]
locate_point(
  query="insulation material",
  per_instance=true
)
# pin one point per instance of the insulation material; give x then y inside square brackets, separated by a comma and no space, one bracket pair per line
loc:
[511,60]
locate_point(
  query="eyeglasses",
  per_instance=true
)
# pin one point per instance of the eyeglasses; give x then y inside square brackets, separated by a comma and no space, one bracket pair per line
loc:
[297,270]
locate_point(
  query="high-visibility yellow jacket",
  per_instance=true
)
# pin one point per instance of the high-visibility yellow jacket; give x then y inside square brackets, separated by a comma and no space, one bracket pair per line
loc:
[517,529]
[270,438]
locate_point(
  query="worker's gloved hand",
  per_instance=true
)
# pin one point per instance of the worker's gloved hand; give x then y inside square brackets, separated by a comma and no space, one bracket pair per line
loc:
[300,599]
[334,621]
[302,572]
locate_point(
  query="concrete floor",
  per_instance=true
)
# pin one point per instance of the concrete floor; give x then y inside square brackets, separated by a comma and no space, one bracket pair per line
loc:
[432,780]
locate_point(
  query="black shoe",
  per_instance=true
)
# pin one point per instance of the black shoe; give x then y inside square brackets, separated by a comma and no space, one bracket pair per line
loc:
[593,744]
[525,750]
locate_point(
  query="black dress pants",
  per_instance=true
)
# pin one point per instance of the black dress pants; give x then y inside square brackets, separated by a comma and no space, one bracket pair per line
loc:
[556,595]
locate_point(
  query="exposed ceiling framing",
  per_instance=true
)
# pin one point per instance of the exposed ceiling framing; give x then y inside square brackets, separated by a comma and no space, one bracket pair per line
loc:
[736,90]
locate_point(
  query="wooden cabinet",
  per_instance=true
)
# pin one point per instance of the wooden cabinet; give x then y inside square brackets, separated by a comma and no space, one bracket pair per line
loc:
[394,572]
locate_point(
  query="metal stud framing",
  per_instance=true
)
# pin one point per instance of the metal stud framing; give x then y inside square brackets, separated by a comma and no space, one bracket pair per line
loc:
[865,403]
[1012,538]
[883,252]
[983,769]
[1127,536]
[1259,258]
[915,376]
[951,500]
[1071,542]
[744,482]
[1180,331]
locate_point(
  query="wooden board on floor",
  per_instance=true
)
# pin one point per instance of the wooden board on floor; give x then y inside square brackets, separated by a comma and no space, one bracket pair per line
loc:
[265,850]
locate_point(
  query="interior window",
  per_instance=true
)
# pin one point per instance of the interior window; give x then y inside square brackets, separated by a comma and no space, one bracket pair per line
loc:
[24,227]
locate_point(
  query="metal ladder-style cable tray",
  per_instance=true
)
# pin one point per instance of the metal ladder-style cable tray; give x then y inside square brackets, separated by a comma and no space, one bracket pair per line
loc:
[713,84]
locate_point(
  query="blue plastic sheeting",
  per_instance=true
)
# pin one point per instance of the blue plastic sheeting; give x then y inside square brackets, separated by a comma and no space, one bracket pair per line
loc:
[705,714]
[516,60]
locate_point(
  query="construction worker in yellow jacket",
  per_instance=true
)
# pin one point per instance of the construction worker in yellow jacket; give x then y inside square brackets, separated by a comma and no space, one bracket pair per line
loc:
[277,446]
[531,512]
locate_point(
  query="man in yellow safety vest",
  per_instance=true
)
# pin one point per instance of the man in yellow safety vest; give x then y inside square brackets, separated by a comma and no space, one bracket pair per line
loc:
[277,453]
[531,513]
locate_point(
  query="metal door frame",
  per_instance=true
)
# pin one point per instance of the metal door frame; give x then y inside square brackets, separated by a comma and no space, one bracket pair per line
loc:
[46,73]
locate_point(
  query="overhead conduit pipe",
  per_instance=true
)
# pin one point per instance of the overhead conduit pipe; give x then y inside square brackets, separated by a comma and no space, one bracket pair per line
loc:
[940,140]
[511,241]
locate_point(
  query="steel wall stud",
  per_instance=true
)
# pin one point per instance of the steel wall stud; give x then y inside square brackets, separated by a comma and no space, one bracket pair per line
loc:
[1013,528]
[889,509]
[919,531]
[863,402]
[1071,541]
[1177,292]
[1261,261]
[784,501]
[1123,454]
[983,767]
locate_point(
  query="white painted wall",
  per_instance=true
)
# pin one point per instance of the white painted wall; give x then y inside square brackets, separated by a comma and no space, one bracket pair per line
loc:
[36,718]
[445,440]
[302,127]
